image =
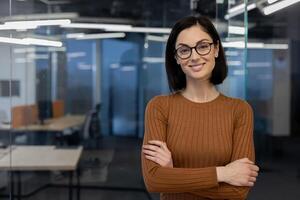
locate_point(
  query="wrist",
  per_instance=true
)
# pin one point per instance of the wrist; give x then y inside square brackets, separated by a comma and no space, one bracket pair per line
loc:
[220,174]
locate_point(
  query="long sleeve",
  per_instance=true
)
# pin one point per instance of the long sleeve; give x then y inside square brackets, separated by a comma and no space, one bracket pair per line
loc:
[243,146]
[170,180]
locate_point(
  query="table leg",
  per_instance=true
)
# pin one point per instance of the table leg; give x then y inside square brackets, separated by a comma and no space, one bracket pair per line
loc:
[12,185]
[70,185]
[19,187]
[78,183]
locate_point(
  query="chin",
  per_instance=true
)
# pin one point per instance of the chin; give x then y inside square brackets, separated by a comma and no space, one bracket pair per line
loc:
[199,76]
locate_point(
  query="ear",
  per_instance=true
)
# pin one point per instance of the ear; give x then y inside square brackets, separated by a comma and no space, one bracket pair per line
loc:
[217,49]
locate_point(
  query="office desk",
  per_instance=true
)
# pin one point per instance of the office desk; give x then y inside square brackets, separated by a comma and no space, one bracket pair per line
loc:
[55,124]
[40,158]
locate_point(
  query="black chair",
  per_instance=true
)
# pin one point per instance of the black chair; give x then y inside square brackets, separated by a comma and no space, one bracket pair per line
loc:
[91,130]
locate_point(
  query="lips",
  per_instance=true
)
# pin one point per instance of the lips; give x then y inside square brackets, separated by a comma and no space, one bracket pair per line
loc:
[197,67]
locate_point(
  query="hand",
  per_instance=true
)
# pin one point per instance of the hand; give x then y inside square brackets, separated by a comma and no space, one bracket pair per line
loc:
[158,152]
[241,172]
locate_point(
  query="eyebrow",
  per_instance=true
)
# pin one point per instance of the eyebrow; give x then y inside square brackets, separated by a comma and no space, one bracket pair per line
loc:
[196,42]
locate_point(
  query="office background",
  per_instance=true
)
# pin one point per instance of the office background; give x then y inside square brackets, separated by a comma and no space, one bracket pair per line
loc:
[79,73]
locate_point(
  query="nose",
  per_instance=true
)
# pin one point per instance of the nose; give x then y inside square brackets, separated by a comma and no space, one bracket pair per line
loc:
[194,55]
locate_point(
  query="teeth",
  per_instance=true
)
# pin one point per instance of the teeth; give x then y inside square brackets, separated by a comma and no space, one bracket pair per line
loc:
[196,65]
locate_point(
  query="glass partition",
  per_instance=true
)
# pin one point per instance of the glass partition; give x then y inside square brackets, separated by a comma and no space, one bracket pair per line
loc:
[76,77]
[80,85]
[9,90]
[232,24]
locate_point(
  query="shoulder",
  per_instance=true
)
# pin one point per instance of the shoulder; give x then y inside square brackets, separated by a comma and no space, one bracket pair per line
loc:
[238,106]
[160,99]
[160,103]
[237,103]
[242,110]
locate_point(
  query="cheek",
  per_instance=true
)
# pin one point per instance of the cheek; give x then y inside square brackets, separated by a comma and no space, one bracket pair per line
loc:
[183,63]
[184,66]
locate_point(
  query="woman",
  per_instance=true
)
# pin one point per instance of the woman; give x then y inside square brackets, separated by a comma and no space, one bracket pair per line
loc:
[198,143]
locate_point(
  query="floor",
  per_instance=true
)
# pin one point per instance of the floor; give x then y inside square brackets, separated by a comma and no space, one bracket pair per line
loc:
[119,167]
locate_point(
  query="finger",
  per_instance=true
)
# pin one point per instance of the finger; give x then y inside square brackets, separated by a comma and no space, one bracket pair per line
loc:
[150,153]
[254,174]
[250,184]
[156,142]
[154,159]
[156,149]
[151,147]
[245,160]
[252,179]
[157,155]
[254,168]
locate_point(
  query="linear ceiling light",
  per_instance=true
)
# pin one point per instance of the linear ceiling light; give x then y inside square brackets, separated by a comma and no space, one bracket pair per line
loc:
[13,41]
[74,35]
[272,1]
[150,30]
[254,45]
[100,36]
[31,41]
[42,42]
[236,30]
[118,27]
[156,38]
[234,11]
[18,25]
[112,27]
[278,6]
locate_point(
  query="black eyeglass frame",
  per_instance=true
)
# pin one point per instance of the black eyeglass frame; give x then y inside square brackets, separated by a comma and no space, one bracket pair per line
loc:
[194,47]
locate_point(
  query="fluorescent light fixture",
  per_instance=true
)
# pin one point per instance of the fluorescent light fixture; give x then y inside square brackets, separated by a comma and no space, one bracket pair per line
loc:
[234,63]
[157,38]
[23,25]
[237,8]
[276,46]
[24,50]
[153,59]
[30,41]
[236,30]
[231,53]
[20,27]
[111,27]
[42,42]
[39,22]
[234,11]
[278,6]
[13,41]
[118,27]
[240,44]
[83,36]
[254,45]
[101,36]
[272,1]
[74,35]
[150,30]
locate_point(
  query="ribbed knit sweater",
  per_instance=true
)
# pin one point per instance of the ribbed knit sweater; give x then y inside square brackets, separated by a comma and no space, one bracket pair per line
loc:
[200,136]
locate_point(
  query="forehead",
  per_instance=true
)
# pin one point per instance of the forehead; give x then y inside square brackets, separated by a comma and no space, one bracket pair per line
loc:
[192,35]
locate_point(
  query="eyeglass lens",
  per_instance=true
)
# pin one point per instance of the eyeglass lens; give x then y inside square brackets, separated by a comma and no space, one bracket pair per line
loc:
[201,48]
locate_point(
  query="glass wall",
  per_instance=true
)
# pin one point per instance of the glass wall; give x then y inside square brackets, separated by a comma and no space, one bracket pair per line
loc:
[76,78]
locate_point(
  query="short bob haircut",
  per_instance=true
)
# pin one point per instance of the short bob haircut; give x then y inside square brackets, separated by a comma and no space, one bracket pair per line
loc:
[176,77]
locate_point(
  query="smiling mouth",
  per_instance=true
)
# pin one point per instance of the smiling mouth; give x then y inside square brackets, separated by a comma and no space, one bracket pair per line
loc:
[197,67]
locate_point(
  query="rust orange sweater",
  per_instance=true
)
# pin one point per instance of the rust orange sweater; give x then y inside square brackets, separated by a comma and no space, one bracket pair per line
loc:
[201,136]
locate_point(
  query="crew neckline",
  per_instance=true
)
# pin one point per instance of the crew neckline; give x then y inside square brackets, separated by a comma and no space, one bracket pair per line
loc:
[200,103]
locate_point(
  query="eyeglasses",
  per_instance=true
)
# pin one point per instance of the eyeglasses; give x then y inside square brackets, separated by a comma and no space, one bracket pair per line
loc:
[202,48]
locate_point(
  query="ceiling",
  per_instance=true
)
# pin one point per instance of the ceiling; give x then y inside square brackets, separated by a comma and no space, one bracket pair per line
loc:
[154,13]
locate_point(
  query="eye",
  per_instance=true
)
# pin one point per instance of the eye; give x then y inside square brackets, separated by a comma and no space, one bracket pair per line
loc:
[183,50]
[202,46]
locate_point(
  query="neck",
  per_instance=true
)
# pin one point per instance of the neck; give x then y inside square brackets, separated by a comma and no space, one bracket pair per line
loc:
[200,91]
